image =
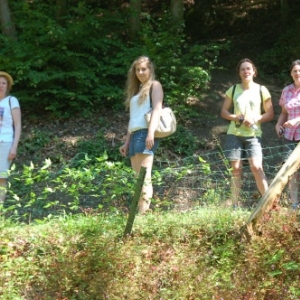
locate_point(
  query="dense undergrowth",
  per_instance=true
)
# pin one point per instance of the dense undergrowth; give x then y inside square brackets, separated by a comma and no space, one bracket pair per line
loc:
[196,255]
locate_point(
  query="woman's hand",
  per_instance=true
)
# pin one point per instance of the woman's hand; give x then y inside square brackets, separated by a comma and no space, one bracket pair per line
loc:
[279,130]
[149,141]
[249,122]
[291,123]
[12,154]
[124,149]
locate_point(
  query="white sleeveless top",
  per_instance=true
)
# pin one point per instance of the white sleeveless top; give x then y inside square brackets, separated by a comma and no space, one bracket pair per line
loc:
[137,114]
[6,120]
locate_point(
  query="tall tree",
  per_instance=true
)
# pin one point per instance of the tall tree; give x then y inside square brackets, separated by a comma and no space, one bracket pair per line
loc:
[135,22]
[61,11]
[7,26]
[177,10]
[284,12]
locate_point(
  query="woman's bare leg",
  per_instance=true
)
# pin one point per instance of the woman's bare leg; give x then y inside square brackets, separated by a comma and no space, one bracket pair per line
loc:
[236,177]
[294,189]
[3,183]
[146,161]
[259,174]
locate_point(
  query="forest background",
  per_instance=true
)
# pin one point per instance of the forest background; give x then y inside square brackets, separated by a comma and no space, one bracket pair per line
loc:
[69,61]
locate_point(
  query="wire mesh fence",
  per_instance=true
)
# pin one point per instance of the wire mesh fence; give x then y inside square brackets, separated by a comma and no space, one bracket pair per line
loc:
[205,179]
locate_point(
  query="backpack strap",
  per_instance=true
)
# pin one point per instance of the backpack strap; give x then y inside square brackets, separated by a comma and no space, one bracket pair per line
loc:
[261,99]
[11,113]
[150,95]
[232,94]
[233,90]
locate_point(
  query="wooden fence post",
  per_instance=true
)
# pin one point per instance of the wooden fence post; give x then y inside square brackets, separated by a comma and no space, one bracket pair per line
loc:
[275,189]
[134,203]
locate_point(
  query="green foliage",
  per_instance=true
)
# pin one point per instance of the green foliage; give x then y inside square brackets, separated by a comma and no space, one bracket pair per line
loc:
[193,255]
[97,146]
[66,69]
[278,59]
[182,142]
[183,69]
[35,141]
[40,192]
[81,63]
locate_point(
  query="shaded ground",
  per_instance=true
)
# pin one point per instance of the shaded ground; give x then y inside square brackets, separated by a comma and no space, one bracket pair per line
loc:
[60,141]
[45,137]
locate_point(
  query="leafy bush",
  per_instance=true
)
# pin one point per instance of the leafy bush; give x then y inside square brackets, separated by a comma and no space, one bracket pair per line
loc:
[96,147]
[277,60]
[183,69]
[34,141]
[182,142]
[81,64]
[66,69]
[36,192]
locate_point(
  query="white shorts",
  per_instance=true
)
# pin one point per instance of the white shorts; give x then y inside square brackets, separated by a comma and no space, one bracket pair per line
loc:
[4,162]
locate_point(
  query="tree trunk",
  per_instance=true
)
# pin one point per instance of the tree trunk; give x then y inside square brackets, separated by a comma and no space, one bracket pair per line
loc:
[177,11]
[284,13]
[275,189]
[61,11]
[135,22]
[7,26]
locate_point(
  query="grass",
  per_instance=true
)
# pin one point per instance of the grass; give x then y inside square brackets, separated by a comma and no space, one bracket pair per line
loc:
[61,235]
[193,255]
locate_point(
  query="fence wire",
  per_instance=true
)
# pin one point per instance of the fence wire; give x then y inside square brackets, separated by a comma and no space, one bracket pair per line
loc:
[205,179]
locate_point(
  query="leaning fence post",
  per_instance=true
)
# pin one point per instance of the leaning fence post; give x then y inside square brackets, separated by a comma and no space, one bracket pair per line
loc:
[134,203]
[275,189]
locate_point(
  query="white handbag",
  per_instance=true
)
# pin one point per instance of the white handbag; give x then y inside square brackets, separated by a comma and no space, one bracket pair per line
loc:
[167,121]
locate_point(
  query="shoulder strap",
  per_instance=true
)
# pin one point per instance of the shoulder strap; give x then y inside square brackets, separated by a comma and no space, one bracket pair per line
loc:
[261,99]
[150,95]
[11,113]
[233,90]
[232,94]
[164,103]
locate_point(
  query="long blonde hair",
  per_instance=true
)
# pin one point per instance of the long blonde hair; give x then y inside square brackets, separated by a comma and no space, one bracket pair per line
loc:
[133,85]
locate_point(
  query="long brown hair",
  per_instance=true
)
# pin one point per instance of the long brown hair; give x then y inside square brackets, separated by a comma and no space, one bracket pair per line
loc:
[133,85]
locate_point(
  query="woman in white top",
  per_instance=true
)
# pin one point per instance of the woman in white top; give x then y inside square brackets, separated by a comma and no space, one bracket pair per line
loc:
[10,129]
[140,143]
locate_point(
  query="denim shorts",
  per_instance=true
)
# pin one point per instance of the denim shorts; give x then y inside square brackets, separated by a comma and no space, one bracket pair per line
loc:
[239,147]
[137,144]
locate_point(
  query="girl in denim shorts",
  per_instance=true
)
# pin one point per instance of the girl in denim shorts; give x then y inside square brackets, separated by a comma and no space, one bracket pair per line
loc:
[243,108]
[140,143]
